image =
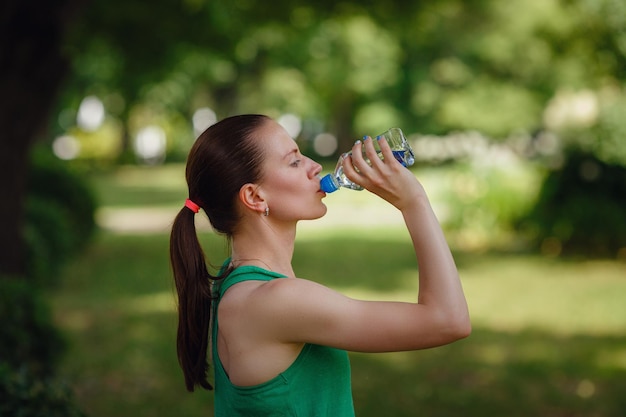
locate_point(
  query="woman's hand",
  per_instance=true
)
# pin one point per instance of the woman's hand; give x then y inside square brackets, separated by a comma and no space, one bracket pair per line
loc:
[386,178]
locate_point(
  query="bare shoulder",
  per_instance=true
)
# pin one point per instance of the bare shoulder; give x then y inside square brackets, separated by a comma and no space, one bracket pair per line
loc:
[296,310]
[286,310]
[266,299]
[290,287]
[276,290]
[300,297]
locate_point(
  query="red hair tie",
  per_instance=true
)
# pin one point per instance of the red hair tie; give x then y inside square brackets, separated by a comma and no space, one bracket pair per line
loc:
[192,206]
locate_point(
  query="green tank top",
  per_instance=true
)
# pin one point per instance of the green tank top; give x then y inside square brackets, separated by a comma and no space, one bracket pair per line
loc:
[316,384]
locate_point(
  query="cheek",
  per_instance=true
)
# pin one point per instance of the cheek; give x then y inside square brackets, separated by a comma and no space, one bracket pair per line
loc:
[284,183]
[288,192]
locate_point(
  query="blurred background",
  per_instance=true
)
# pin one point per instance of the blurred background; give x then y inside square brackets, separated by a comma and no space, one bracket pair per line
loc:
[516,112]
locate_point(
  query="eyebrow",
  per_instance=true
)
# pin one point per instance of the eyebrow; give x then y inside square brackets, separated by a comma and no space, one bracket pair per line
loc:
[294,150]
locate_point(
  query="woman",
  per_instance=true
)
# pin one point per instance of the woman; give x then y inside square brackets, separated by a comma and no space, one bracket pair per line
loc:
[279,342]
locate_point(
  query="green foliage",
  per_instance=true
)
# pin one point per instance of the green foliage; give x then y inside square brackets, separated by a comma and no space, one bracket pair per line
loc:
[49,238]
[591,122]
[60,216]
[28,339]
[23,395]
[581,208]
[348,67]
[483,198]
[496,108]
[30,350]
[608,136]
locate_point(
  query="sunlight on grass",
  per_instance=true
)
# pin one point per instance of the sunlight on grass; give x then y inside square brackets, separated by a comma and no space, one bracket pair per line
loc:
[513,293]
[610,358]
[161,302]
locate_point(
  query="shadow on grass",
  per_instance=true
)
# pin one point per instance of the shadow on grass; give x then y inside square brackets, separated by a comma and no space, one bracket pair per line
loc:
[375,264]
[528,373]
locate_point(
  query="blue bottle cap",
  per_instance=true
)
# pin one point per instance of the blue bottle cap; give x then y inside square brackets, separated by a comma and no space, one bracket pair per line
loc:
[327,184]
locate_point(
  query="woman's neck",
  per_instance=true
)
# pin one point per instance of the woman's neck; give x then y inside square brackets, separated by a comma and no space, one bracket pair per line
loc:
[264,242]
[264,248]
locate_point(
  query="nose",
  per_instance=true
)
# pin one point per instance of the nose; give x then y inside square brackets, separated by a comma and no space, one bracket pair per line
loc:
[315,169]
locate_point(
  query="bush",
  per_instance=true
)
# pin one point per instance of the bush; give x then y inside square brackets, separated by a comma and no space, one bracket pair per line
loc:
[30,348]
[28,338]
[59,221]
[60,216]
[581,208]
[49,238]
[484,199]
[24,395]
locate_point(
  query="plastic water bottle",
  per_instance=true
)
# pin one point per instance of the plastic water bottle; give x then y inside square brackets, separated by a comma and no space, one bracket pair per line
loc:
[399,147]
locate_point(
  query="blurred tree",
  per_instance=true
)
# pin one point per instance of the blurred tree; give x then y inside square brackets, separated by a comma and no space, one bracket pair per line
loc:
[32,67]
[349,67]
[431,67]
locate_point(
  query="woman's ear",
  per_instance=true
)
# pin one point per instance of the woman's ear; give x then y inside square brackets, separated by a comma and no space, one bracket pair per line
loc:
[251,196]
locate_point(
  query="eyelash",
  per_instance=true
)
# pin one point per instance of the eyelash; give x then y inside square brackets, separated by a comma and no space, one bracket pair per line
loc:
[296,163]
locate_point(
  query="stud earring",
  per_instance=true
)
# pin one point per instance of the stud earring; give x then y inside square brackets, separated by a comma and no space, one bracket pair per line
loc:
[267,211]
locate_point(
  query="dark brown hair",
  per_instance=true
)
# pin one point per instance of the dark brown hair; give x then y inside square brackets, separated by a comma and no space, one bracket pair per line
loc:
[224,158]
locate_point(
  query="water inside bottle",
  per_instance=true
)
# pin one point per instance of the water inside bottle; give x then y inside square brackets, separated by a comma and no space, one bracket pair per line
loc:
[405,157]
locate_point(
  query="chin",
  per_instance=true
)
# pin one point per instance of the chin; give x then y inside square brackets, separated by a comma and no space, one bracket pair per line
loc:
[318,214]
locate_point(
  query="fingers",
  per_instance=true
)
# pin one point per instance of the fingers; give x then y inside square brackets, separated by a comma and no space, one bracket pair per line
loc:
[371,152]
[361,164]
[363,170]
[352,164]
[372,161]
[386,150]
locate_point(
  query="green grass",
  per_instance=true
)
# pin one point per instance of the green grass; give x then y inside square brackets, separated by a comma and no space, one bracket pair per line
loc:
[549,335]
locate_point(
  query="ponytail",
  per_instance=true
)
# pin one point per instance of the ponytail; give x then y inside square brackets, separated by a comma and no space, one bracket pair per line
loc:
[192,281]
[223,158]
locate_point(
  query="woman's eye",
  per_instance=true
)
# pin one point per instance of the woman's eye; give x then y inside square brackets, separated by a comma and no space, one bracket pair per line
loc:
[296,163]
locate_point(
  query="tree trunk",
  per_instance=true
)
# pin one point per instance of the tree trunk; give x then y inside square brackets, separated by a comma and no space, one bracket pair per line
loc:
[341,123]
[32,68]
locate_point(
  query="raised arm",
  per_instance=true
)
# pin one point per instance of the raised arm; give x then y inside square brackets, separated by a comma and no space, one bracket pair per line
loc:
[440,290]
[296,310]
